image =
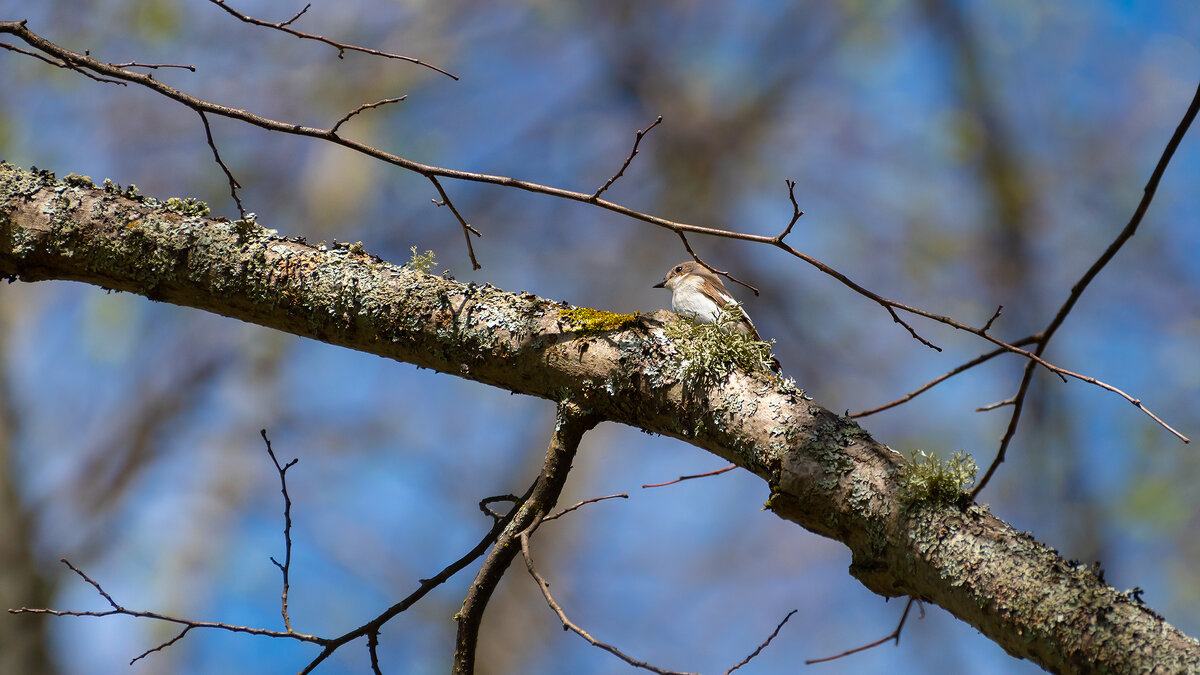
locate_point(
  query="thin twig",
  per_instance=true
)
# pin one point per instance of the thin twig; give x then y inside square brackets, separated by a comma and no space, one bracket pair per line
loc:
[162,646]
[426,585]
[688,247]
[119,610]
[1077,291]
[466,227]
[340,46]
[796,212]
[718,472]
[637,140]
[567,624]
[983,358]
[593,500]
[891,306]
[365,106]
[234,185]
[997,404]
[152,66]
[763,646]
[486,501]
[286,566]
[995,316]
[59,64]
[894,635]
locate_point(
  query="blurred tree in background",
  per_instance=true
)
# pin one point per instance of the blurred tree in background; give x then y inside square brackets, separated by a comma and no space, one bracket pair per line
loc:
[952,155]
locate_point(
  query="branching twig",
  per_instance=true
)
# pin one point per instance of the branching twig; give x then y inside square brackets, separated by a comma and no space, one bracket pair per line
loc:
[796,212]
[706,474]
[234,185]
[59,64]
[123,611]
[286,566]
[894,635]
[572,423]
[983,358]
[466,227]
[633,153]
[341,47]
[79,62]
[426,585]
[1077,291]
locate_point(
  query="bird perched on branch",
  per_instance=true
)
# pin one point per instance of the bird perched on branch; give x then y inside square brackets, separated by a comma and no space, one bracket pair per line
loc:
[698,293]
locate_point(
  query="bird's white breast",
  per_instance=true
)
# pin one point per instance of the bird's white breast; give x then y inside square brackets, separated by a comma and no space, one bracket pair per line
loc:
[689,300]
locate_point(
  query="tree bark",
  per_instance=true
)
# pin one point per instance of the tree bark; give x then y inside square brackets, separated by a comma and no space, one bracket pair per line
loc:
[824,472]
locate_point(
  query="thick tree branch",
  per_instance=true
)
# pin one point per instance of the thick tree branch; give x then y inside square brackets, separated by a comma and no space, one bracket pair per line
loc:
[571,424]
[825,473]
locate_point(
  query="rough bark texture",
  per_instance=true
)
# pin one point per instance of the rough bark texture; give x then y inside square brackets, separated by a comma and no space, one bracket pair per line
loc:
[824,472]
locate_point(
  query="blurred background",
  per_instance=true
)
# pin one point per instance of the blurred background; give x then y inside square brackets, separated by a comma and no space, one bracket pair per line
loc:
[951,155]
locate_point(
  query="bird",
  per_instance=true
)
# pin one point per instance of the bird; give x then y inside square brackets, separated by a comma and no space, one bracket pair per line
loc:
[698,293]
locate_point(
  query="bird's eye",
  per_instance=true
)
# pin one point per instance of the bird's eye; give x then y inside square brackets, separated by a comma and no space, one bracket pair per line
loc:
[679,268]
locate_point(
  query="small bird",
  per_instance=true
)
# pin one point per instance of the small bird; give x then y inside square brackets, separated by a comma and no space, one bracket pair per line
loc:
[699,294]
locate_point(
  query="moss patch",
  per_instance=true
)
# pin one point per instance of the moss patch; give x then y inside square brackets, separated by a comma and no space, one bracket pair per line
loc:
[594,320]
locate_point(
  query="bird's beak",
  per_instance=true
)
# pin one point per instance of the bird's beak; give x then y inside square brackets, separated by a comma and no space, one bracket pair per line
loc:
[661,284]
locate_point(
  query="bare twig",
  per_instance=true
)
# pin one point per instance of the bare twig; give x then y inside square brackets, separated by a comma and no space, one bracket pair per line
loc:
[1077,291]
[79,61]
[997,404]
[706,474]
[572,424]
[426,585]
[688,247]
[286,566]
[544,587]
[365,106]
[637,140]
[763,646]
[486,501]
[340,46]
[990,321]
[59,64]
[983,358]
[796,212]
[234,185]
[120,610]
[593,500]
[162,646]
[894,635]
[466,227]
[152,66]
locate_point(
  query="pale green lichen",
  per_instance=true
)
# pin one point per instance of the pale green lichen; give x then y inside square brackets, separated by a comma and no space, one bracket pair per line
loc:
[186,206]
[422,262]
[926,478]
[595,320]
[710,351]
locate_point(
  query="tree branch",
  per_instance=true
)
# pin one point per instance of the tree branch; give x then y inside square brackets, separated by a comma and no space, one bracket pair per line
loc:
[824,472]
[572,423]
